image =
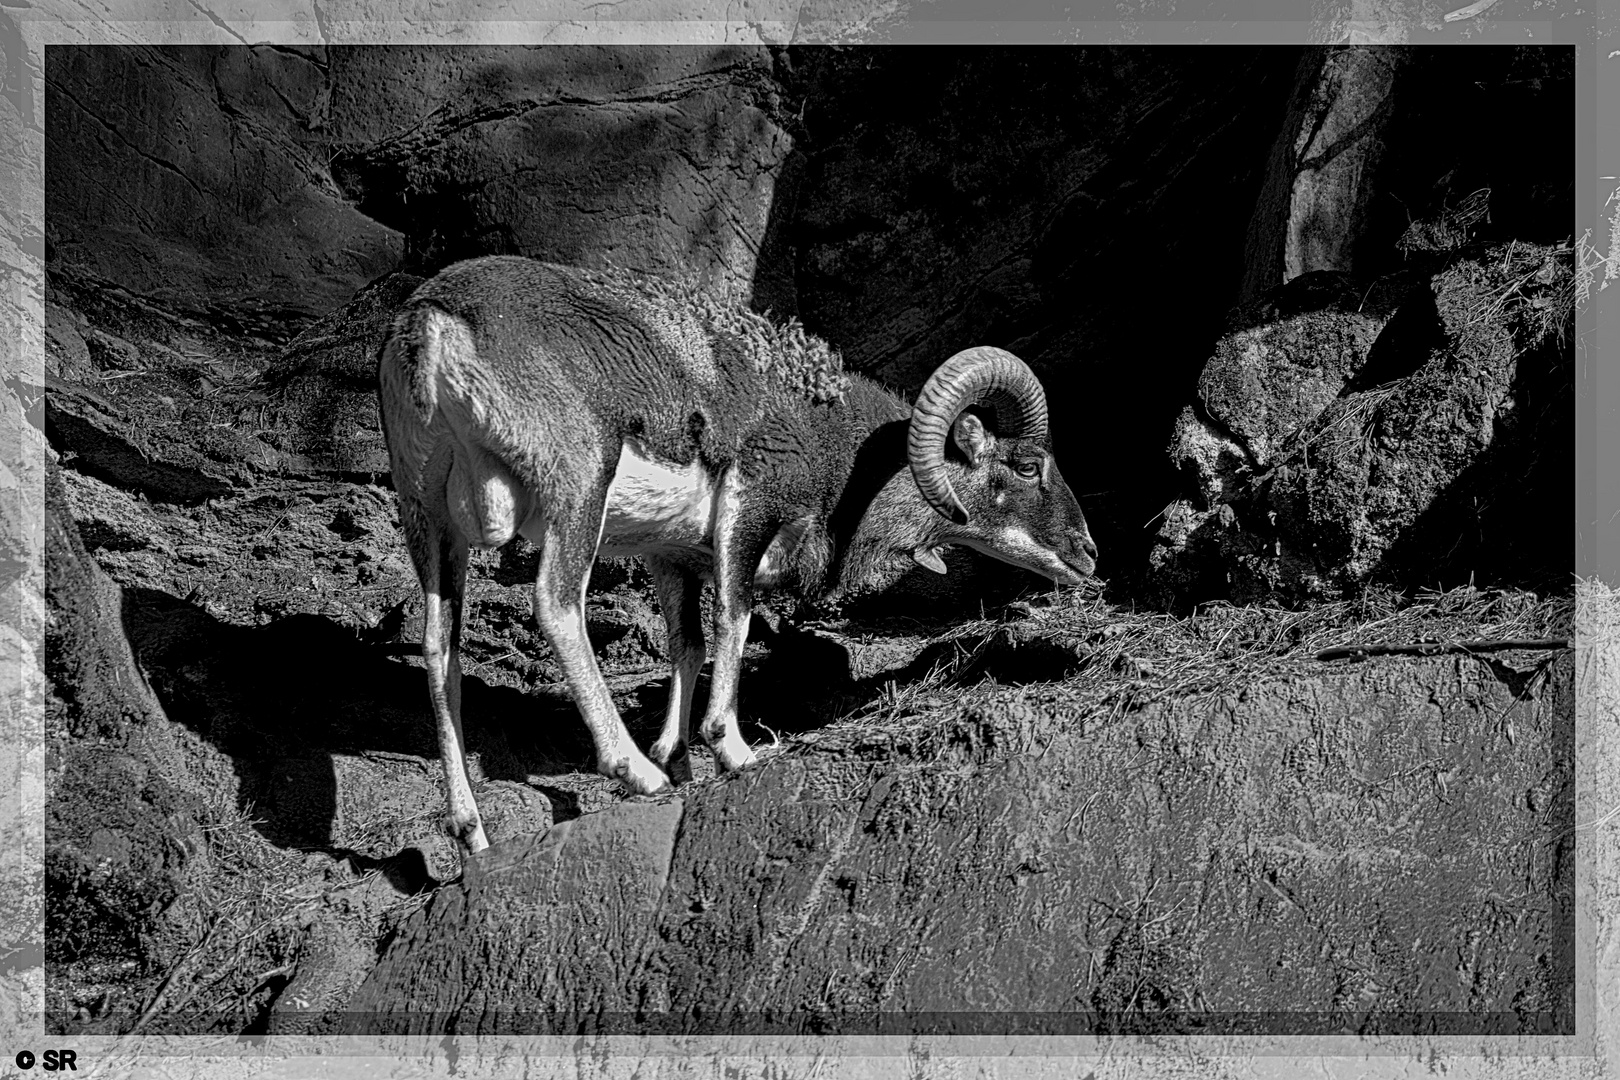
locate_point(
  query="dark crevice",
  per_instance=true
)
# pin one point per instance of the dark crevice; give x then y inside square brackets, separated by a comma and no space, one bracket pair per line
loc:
[318,62]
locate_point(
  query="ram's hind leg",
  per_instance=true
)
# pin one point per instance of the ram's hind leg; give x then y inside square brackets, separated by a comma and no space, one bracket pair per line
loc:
[568,540]
[678,592]
[442,565]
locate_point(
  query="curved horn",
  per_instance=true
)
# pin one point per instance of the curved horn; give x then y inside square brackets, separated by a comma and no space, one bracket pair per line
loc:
[981,375]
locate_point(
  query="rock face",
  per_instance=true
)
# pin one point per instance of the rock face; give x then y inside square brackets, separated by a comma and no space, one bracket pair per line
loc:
[1412,430]
[1261,858]
[122,826]
[586,881]
[659,158]
[260,187]
[196,177]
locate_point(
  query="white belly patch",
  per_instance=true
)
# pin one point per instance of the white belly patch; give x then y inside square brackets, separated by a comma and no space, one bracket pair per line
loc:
[655,504]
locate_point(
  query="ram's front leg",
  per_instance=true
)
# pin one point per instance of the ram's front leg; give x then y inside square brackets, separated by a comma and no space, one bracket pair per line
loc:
[738,546]
[568,543]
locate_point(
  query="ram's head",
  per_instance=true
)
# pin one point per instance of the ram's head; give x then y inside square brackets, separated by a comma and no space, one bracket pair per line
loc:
[1002,493]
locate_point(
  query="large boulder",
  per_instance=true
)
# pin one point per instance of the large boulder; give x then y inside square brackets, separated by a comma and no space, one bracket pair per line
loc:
[660,158]
[1403,431]
[260,188]
[1316,851]
[196,177]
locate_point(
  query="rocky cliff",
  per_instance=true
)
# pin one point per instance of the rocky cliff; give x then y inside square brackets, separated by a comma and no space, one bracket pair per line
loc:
[1125,810]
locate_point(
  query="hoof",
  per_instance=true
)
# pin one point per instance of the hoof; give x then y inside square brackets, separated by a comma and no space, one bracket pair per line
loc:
[680,770]
[733,758]
[467,831]
[731,751]
[739,764]
[676,762]
[641,776]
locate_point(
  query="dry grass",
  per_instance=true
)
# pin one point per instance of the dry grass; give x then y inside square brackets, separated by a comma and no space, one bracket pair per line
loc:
[249,914]
[1121,660]
[1536,296]
[1450,228]
[1359,411]
[1589,261]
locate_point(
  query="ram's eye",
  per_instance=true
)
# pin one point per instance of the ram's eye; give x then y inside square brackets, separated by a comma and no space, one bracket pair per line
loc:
[1029,470]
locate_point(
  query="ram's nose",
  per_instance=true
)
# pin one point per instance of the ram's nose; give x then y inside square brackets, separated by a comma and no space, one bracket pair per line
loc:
[1082,550]
[1086,544]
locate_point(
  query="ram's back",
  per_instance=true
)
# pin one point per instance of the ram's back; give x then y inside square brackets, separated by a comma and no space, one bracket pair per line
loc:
[535,359]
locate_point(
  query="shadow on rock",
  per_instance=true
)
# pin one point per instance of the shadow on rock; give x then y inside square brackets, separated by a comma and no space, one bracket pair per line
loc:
[1506,517]
[815,676]
[330,736]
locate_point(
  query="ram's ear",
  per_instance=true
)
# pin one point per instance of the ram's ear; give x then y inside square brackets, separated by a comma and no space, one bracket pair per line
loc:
[972,439]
